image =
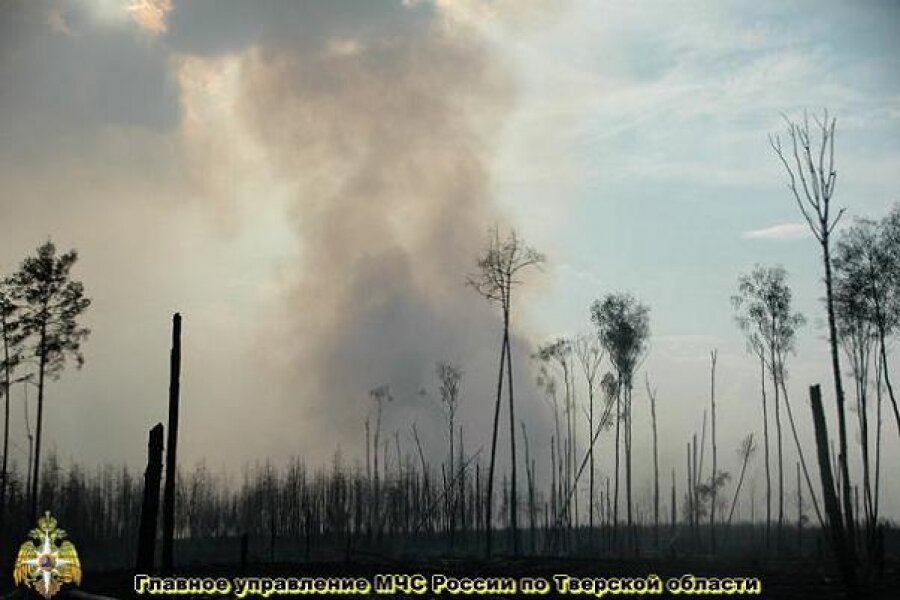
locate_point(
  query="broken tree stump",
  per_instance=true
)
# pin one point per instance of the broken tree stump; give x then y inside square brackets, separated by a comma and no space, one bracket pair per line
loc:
[171,446]
[842,552]
[146,551]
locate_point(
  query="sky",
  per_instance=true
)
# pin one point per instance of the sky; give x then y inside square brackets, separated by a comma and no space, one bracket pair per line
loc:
[309,184]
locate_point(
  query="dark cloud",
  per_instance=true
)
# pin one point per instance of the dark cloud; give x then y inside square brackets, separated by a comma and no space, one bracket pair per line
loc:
[64,75]
[208,27]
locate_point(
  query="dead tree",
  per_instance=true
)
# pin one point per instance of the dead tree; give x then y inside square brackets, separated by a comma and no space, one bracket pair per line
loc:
[713,355]
[146,551]
[812,177]
[652,395]
[498,274]
[379,395]
[842,545]
[799,513]
[590,355]
[674,504]
[745,451]
[768,464]
[449,377]
[559,352]
[171,446]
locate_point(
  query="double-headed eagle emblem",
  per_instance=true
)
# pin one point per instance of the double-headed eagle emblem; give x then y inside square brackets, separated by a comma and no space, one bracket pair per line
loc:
[47,560]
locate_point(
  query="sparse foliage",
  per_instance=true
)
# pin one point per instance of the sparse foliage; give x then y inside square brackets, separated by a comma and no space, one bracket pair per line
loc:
[51,303]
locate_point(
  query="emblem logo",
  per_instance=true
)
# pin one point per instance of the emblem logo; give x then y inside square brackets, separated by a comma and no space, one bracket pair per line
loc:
[47,560]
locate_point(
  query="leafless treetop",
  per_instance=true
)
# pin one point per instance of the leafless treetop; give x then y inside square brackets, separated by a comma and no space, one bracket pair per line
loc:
[811,171]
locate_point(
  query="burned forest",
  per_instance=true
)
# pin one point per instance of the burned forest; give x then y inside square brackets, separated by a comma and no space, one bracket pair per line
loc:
[564,296]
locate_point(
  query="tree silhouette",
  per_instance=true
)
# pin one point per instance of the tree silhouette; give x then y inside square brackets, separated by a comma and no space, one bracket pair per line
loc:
[499,268]
[51,304]
[763,307]
[866,304]
[623,325]
[811,181]
[888,312]
[449,378]
[590,355]
[559,352]
[651,395]
[867,293]
[11,330]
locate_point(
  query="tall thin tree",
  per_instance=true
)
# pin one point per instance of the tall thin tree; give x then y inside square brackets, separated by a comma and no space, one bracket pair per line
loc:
[449,378]
[651,393]
[811,180]
[623,326]
[763,308]
[590,354]
[713,356]
[499,268]
[11,358]
[51,303]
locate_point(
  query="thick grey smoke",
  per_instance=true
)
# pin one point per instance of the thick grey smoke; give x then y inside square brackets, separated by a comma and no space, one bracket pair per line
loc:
[376,119]
[386,133]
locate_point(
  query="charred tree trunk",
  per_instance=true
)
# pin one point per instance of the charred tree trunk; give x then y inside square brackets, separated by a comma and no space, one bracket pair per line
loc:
[146,551]
[489,500]
[591,494]
[799,513]
[632,533]
[655,467]
[6,378]
[887,377]
[839,396]
[615,536]
[513,488]
[674,506]
[171,446]
[36,463]
[762,384]
[841,545]
[713,481]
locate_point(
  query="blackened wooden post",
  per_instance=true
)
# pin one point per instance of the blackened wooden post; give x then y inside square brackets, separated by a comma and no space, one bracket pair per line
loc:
[171,446]
[839,540]
[146,550]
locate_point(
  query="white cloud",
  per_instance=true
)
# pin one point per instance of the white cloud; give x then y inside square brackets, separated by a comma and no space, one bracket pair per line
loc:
[781,232]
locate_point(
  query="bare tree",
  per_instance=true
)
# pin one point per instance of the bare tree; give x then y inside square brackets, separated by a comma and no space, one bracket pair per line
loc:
[590,354]
[547,382]
[746,450]
[499,269]
[652,395]
[559,352]
[811,181]
[713,356]
[449,378]
[380,395]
